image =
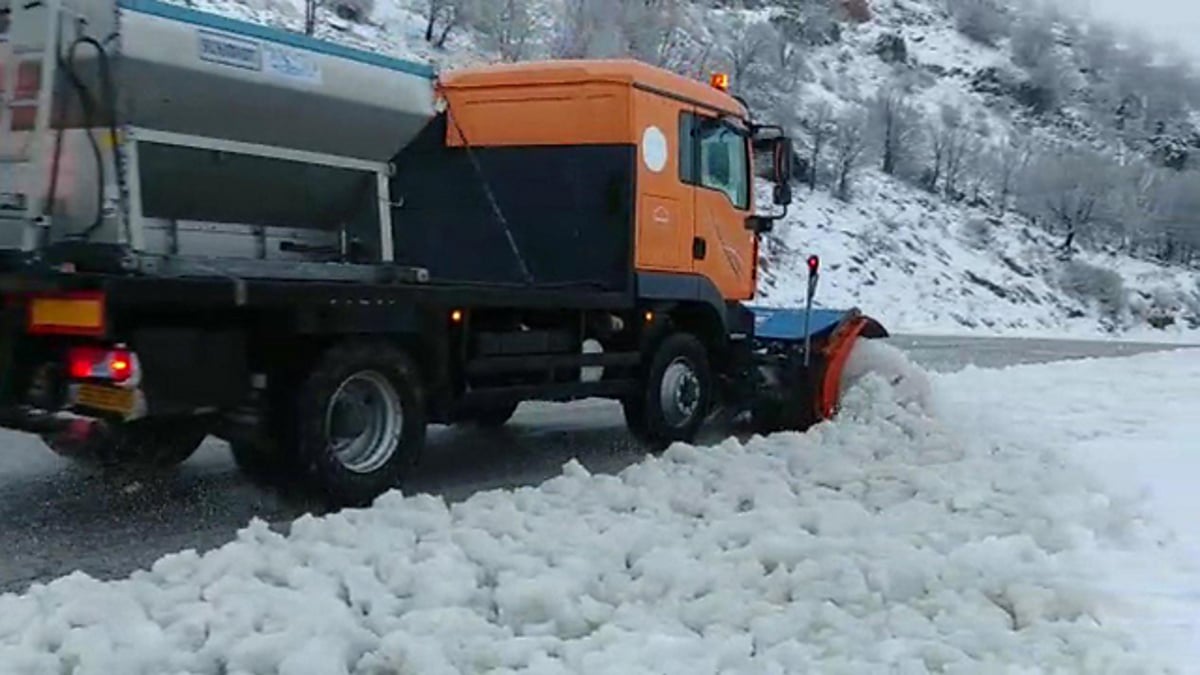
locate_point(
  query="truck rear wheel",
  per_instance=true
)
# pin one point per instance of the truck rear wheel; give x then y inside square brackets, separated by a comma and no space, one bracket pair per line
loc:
[675,394]
[361,421]
[266,463]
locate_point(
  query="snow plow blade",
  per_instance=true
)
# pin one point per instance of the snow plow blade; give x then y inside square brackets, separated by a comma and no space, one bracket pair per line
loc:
[800,360]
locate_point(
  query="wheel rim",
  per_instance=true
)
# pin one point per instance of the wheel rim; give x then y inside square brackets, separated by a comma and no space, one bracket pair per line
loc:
[679,395]
[363,422]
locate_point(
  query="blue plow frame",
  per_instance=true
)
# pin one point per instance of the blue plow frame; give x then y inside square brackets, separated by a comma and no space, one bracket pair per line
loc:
[787,325]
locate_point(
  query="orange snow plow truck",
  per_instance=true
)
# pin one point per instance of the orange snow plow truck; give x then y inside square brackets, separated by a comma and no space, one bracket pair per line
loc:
[209,227]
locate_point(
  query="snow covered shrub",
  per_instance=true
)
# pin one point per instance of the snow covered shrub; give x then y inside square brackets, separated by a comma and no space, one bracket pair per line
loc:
[979,233]
[1093,284]
[353,10]
[858,11]
[980,20]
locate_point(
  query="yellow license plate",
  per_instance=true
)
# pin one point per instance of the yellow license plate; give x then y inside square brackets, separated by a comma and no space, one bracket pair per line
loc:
[108,399]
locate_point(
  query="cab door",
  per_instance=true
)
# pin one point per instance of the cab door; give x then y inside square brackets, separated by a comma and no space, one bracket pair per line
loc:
[722,248]
[664,204]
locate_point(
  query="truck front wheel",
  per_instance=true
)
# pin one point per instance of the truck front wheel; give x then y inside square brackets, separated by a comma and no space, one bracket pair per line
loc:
[361,421]
[675,395]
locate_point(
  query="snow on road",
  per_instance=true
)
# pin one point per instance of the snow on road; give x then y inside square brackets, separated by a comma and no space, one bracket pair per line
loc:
[969,540]
[1134,424]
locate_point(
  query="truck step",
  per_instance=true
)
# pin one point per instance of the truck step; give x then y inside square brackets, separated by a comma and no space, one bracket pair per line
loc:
[565,391]
[496,365]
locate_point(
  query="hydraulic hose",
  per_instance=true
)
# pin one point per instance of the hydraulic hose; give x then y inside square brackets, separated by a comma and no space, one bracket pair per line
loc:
[89,104]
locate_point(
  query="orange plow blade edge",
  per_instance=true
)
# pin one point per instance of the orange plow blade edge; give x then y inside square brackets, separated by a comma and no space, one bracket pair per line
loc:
[835,352]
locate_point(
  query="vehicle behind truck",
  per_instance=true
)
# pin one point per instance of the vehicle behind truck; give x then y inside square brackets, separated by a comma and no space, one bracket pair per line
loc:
[210,227]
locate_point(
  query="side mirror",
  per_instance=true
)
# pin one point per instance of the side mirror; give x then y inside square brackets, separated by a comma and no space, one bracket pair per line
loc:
[783,194]
[782,155]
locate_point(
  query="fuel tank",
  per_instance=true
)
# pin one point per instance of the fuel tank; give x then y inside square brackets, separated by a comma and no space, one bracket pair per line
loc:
[175,69]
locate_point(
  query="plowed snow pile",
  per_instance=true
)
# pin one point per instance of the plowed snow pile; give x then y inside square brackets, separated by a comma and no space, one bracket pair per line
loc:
[890,541]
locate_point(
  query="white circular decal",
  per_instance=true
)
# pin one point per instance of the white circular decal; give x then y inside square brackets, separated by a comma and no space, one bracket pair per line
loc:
[654,149]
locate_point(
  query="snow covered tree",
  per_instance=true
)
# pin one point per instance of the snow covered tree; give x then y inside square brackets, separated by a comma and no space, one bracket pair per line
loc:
[947,133]
[1072,189]
[1012,156]
[747,44]
[808,22]
[848,145]
[506,26]
[1032,40]
[821,129]
[648,30]
[443,17]
[893,126]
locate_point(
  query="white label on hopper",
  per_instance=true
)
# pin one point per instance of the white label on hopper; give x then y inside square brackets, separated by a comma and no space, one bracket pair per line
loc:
[291,63]
[229,51]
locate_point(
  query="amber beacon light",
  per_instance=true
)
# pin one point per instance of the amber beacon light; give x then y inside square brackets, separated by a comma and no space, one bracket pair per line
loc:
[720,81]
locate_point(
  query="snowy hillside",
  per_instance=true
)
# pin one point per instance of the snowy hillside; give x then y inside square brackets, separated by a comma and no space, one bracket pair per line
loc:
[982,102]
[928,264]
[926,267]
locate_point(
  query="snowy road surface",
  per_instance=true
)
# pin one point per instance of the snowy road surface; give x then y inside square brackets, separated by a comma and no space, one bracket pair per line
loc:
[960,542]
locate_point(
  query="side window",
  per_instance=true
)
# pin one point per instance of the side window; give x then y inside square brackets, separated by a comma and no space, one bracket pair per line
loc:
[714,157]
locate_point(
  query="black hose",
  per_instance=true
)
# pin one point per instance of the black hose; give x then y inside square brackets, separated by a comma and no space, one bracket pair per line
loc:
[88,103]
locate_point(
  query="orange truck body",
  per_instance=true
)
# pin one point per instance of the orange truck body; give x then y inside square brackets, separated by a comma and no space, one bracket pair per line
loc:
[681,226]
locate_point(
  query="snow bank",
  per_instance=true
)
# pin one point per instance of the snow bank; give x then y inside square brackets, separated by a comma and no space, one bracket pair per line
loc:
[1132,423]
[887,540]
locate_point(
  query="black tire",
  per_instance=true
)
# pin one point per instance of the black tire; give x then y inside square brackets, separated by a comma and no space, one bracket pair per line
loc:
[148,444]
[646,415]
[492,418]
[390,452]
[265,463]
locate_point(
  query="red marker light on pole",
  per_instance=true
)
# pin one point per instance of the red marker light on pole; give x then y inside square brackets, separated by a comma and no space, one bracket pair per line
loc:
[814,264]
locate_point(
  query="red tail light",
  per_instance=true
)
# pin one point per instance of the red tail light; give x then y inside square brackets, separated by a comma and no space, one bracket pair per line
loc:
[99,363]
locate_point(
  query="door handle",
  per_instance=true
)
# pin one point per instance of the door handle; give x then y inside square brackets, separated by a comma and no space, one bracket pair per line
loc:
[699,248]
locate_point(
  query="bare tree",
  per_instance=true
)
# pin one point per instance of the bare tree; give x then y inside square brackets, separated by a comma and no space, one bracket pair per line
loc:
[747,44]
[506,25]
[958,148]
[893,124]
[822,128]
[978,170]
[652,28]
[945,137]
[444,17]
[1011,159]
[849,143]
[1071,189]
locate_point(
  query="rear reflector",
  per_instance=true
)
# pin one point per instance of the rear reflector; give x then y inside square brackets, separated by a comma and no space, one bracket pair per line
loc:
[68,314]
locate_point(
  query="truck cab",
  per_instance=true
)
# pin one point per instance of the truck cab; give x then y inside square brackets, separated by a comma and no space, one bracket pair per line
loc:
[682,148]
